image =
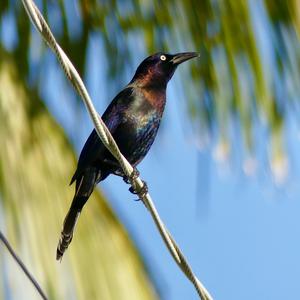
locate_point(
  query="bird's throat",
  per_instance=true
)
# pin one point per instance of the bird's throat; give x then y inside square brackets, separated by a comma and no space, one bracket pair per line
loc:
[156,97]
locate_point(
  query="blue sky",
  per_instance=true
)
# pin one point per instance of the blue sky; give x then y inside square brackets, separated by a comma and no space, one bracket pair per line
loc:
[240,233]
[243,244]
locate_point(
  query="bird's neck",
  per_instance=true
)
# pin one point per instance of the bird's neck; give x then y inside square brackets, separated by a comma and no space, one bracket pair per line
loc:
[155,96]
[153,89]
[152,79]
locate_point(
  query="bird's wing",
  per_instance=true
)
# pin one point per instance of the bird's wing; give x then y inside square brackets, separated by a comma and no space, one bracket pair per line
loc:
[93,148]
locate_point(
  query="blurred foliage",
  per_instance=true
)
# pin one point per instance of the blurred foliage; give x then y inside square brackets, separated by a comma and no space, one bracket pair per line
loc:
[35,166]
[248,73]
[247,77]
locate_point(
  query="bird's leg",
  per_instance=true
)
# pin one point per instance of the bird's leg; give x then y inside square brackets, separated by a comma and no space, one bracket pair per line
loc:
[143,191]
[129,179]
[134,175]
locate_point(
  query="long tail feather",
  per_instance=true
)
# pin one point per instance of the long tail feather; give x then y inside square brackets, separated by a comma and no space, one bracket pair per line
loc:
[67,232]
[84,187]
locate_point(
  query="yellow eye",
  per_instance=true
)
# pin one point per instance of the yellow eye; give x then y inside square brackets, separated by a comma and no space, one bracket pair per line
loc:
[163,57]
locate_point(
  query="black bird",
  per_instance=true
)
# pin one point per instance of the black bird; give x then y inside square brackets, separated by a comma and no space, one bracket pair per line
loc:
[133,118]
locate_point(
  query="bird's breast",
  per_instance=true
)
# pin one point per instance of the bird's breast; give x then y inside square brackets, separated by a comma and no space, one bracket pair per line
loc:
[146,100]
[137,134]
[138,123]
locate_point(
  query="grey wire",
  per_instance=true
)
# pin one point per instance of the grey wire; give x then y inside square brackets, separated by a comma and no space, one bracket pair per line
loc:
[111,145]
[22,266]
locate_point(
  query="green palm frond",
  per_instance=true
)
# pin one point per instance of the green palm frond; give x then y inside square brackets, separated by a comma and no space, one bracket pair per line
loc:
[36,162]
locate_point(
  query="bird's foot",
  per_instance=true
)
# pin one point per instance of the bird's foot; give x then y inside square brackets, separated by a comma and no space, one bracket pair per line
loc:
[134,175]
[136,191]
[142,192]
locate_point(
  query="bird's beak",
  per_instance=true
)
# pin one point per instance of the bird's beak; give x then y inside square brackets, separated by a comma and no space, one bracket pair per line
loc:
[181,57]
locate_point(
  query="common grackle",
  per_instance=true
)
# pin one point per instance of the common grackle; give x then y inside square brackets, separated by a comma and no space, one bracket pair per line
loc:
[133,118]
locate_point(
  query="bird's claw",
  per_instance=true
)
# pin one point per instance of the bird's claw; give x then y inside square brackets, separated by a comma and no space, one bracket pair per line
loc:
[142,192]
[136,191]
[134,175]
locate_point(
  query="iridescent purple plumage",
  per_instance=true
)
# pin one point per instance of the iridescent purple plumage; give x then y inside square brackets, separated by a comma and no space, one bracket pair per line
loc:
[133,117]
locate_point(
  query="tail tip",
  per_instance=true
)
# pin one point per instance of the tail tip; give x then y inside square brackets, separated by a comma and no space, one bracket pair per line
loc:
[59,254]
[67,233]
[63,245]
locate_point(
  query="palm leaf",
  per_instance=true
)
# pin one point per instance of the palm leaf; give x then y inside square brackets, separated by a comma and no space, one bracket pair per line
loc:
[36,162]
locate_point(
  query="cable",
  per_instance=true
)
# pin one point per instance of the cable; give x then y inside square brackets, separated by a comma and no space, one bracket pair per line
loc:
[107,139]
[22,266]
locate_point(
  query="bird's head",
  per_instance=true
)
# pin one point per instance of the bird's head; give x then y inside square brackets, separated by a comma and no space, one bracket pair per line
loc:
[157,69]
